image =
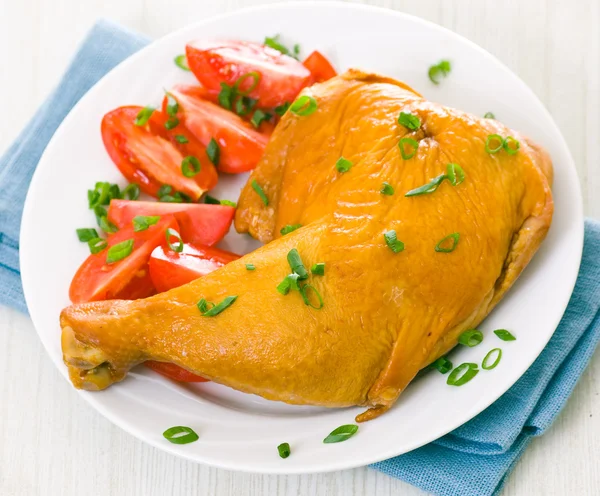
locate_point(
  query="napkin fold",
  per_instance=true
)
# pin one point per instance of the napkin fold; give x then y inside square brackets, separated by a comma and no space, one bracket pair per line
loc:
[476,458]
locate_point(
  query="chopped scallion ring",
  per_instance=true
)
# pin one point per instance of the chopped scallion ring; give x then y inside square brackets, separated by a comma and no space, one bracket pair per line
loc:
[226,96]
[282,109]
[430,187]
[442,364]
[442,247]
[259,191]
[497,353]
[106,225]
[143,116]
[441,69]
[511,145]
[462,374]
[289,228]
[284,450]
[238,83]
[259,117]
[177,246]
[143,222]
[489,115]
[343,165]
[504,335]
[180,138]
[489,143]
[409,121]
[172,123]
[393,242]
[318,269]
[119,251]
[470,338]
[180,435]
[304,290]
[250,267]
[296,264]
[190,166]
[85,234]
[172,105]
[386,189]
[342,433]
[96,245]
[181,62]
[455,174]
[213,151]
[412,145]
[131,192]
[217,309]
[304,105]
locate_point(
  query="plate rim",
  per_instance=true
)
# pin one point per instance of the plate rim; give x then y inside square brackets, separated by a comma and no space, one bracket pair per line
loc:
[332,465]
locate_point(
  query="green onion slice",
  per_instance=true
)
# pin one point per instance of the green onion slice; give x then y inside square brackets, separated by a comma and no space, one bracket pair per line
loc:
[228,203]
[489,115]
[393,242]
[250,267]
[318,269]
[489,143]
[131,192]
[238,83]
[284,286]
[284,450]
[85,234]
[511,145]
[180,435]
[190,166]
[289,228]
[293,280]
[442,364]
[462,374]
[342,433]
[304,292]
[497,353]
[441,69]
[143,116]
[343,165]
[259,116]
[455,174]
[96,245]
[282,109]
[412,145]
[273,42]
[181,62]
[213,151]
[217,309]
[442,247]
[172,122]
[226,96]
[387,189]
[430,187]
[211,200]
[177,246]
[172,105]
[256,187]
[504,335]
[244,105]
[106,225]
[119,251]
[204,305]
[304,105]
[143,222]
[180,138]
[409,121]
[296,264]
[470,338]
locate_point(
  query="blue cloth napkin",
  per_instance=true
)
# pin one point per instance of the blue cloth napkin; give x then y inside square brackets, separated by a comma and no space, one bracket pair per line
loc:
[476,458]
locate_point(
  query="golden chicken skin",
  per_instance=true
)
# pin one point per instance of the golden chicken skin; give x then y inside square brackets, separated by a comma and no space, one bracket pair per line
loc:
[422,217]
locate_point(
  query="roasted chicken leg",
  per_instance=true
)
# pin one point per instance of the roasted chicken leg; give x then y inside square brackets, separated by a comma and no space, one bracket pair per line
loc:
[385,314]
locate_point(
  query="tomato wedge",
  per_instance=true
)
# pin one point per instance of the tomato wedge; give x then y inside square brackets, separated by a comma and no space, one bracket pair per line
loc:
[126,279]
[215,62]
[198,222]
[241,146]
[320,68]
[169,269]
[175,372]
[151,156]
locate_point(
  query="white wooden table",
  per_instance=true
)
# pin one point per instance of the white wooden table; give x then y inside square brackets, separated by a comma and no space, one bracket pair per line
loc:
[52,443]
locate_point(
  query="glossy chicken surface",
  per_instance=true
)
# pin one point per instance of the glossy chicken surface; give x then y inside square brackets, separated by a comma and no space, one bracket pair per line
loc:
[385,315]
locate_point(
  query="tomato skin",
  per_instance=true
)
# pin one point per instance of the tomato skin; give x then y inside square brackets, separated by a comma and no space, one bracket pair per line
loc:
[214,62]
[198,222]
[128,278]
[241,146]
[174,372]
[150,156]
[320,68]
[169,269]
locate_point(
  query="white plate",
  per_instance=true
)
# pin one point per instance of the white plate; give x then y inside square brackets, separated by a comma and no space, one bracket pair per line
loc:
[239,431]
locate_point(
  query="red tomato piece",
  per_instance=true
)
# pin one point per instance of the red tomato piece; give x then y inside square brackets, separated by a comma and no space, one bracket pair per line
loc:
[169,269]
[150,156]
[320,68]
[126,279]
[198,222]
[215,62]
[174,372]
[240,145]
